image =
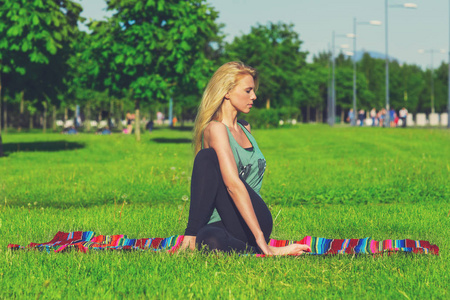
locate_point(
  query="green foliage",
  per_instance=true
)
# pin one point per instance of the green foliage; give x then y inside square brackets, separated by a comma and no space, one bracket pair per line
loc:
[157,45]
[441,87]
[270,118]
[263,118]
[35,45]
[274,50]
[35,30]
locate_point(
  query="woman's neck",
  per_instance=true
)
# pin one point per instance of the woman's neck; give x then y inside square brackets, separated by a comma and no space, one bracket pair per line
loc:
[229,116]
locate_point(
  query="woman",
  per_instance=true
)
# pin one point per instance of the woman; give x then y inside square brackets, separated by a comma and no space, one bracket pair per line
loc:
[226,212]
[130,118]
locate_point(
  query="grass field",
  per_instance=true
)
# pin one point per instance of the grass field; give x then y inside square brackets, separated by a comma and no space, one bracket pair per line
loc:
[331,182]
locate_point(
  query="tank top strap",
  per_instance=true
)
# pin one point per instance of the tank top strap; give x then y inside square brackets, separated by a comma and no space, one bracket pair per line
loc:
[249,136]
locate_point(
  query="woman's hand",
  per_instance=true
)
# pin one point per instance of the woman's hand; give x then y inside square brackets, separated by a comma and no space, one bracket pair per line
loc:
[261,242]
[188,243]
[294,249]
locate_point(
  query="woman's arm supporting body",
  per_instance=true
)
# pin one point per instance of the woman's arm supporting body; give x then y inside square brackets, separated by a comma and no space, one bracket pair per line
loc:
[216,137]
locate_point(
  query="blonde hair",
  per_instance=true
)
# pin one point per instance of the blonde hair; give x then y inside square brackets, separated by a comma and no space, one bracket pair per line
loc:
[224,80]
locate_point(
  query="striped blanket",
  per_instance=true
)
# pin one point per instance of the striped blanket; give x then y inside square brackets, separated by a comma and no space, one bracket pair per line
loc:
[87,240]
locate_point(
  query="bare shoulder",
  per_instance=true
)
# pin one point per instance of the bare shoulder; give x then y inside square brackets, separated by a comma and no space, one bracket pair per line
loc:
[215,127]
[215,132]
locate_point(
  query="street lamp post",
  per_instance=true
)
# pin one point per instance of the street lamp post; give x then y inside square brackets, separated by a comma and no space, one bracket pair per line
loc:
[333,81]
[333,92]
[386,6]
[375,23]
[432,51]
[330,88]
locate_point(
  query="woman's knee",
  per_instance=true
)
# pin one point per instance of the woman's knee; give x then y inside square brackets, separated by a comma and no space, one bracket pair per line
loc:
[210,237]
[206,158]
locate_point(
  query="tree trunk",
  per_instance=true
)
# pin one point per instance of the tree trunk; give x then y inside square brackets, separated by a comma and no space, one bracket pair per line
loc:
[5,117]
[87,120]
[110,113]
[1,146]
[137,123]
[121,116]
[30,121]
[22,95]
[54,117]
[317,115]
[308,113]
[117,117]
[66,114]
[342,116]
[1,102]
[44,123]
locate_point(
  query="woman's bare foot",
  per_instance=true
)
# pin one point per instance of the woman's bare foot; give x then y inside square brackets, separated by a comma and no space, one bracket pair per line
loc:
[188,243]
[294,249]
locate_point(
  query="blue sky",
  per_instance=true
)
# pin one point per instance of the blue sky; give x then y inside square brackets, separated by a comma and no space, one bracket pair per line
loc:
[426,27]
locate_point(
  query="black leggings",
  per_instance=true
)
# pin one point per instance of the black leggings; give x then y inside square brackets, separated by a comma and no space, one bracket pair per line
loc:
[208,191]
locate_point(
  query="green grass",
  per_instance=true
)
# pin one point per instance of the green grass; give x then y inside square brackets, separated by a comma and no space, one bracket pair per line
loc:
[320,181]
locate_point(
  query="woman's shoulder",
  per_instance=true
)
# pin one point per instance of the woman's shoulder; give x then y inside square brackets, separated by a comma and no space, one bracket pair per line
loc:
[215,128]
[215,133]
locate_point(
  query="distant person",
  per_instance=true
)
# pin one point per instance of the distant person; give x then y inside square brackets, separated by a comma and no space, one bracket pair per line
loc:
[104,130]
[373,116]
[351,117]
[174,121]
[381,117]
[392,116]
[69,130]
[159,118]
[130,119]
[361,117]
[403,113]
[149,125]
[396,120]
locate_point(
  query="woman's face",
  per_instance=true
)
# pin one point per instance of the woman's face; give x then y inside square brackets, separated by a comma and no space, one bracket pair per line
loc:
[243,94]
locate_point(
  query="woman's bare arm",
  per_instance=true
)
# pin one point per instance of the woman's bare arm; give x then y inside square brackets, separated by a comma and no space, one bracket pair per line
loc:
[216,137]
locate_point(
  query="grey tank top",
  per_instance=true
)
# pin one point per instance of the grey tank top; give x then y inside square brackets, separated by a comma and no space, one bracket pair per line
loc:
[251,165]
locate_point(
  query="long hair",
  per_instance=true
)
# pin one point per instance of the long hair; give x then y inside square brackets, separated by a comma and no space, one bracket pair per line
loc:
[224,80]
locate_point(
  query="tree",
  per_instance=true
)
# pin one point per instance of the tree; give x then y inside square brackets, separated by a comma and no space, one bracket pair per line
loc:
[157,46]
[441,87]
[35,41]
[274,50]
[374,72]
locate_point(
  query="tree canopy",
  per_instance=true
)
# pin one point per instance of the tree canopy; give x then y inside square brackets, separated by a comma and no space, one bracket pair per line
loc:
[149,52]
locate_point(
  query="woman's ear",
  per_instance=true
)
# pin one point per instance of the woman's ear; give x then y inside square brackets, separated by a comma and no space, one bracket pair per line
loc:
[227,96]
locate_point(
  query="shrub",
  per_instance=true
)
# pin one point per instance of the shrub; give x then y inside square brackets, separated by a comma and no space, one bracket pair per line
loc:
[270,118]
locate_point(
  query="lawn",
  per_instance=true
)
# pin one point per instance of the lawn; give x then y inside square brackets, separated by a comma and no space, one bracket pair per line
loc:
[331,182]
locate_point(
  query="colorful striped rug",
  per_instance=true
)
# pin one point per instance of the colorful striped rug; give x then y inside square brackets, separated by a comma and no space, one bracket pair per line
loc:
[86,240]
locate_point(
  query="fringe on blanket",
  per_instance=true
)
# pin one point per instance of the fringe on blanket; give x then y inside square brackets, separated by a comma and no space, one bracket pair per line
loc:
[86,240]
